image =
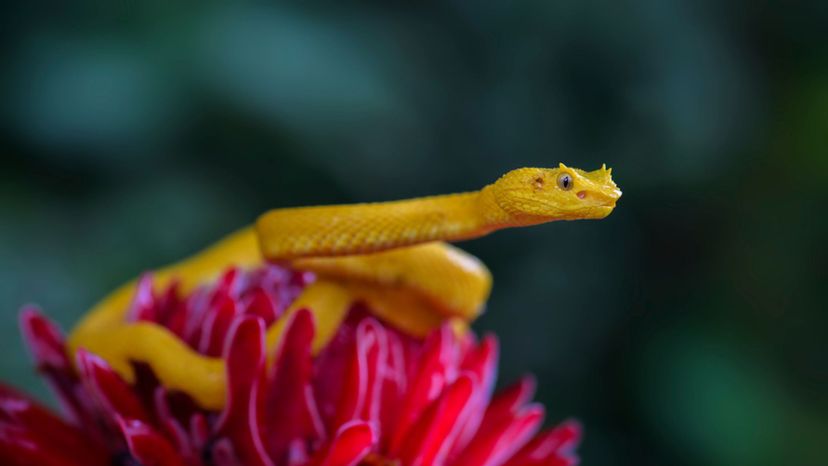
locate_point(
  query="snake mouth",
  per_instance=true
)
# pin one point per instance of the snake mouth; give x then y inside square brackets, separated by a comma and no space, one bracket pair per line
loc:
[601,211]
[603,202]
[604,198]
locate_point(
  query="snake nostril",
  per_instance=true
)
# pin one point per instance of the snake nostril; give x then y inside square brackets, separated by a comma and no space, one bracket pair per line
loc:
[581,194]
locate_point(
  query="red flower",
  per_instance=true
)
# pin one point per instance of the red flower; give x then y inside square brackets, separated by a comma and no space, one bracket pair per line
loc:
[373,396]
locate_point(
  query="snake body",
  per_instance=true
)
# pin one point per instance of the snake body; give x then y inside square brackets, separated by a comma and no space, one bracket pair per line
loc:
[391,255]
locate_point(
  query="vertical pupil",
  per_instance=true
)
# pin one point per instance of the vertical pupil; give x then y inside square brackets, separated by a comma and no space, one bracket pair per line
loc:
[566,182]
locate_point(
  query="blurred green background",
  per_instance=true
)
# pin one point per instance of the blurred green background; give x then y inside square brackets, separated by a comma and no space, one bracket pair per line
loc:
[688,328]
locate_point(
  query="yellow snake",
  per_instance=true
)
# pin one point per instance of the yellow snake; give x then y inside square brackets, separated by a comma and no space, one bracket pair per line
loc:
[390,255]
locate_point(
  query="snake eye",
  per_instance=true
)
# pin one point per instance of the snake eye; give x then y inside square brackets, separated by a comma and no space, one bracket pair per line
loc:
[565,181]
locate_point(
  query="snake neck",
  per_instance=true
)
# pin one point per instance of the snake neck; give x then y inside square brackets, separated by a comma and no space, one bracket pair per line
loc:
[325,231]
[454,217]
[491,215]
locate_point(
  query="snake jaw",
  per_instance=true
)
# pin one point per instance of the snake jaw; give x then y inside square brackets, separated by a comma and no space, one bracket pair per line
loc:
[601,187]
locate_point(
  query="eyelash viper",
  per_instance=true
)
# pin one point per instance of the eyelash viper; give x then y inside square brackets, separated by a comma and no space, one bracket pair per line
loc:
[391,255]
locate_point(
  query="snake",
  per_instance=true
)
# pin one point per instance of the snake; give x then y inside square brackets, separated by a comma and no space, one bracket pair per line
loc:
[394,256]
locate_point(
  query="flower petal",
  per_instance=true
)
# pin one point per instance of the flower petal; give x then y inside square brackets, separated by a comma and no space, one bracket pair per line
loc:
[172,427]
[148,446]
[436,363]
[217,324]
[143,305]
[112,392]
[223,454]
[47,346]
[480,360]
[394,385]
[506,403]
[44,339]
[553,447]
[352,443]
[430,437]
[259,303]
[290,409]
[27,430]
[362,383]
[493,446]
[21,447]
[239,421]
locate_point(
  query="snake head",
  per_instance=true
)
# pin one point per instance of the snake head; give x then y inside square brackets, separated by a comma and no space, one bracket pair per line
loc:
[538,195]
